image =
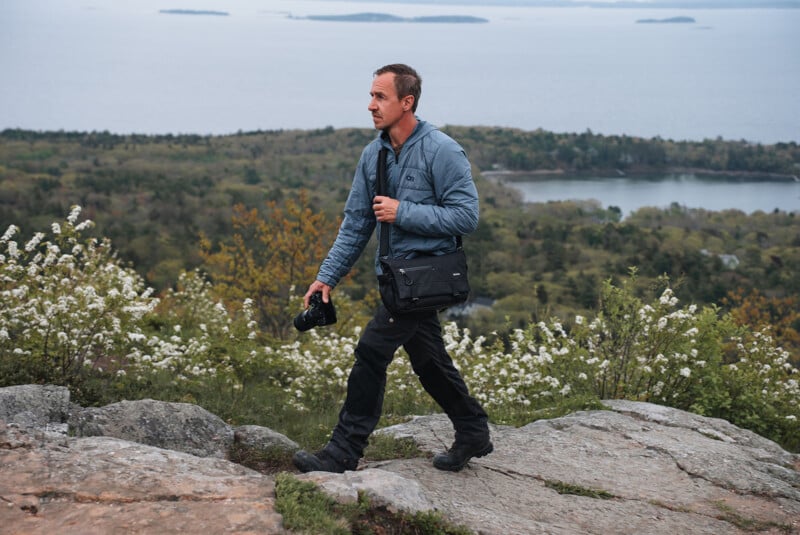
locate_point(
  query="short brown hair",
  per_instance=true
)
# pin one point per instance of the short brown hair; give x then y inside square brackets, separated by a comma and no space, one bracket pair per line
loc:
[406,81]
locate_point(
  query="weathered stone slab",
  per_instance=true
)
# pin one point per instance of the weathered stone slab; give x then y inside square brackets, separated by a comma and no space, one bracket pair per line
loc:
[102,485]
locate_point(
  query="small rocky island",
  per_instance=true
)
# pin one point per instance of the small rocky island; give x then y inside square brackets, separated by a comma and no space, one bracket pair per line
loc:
[384,17]
[193,12]
[671,20]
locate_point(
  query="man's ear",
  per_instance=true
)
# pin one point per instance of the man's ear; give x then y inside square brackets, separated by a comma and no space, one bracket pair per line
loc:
[408,102]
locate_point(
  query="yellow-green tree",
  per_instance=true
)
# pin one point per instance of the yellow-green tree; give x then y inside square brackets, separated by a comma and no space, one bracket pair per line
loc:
[268,256]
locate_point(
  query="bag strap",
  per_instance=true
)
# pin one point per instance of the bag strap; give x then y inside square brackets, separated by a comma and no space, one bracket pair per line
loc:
[383,190]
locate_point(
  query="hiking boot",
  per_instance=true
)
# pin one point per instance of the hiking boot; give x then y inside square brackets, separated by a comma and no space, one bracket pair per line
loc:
[459,454]
[322,461]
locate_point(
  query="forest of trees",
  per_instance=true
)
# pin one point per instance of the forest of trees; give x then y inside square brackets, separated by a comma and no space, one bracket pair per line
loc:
[158,198]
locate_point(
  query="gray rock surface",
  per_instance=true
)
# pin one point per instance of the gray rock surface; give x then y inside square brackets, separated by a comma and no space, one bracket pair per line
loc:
[34,406]
[262,439]
[658,470]
[176,426]
[385,489]
[636,468]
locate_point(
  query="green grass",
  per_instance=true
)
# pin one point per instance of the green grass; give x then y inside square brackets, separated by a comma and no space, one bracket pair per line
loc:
[562,407]
[384,447]
[577,490]
[306,509]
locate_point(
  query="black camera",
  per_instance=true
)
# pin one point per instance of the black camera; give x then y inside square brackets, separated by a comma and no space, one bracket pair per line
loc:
[317,314]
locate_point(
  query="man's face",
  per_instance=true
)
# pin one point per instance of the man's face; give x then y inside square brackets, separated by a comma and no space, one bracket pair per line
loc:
[384,105]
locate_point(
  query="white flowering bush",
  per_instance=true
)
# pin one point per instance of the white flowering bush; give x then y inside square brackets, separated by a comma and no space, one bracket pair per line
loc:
[655,352]
[68,305]
[651,352]
[761,388]
[318,365]
[195,337]
[659,352]
[200,350]
[71,312]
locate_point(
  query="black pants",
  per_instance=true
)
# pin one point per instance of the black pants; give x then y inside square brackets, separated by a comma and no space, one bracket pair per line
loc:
[421,336]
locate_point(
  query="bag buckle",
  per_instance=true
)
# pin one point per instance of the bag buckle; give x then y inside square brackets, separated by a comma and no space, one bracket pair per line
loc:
[406,278]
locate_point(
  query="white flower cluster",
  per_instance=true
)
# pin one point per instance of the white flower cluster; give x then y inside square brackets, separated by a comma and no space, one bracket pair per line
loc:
[762,363]
[67,304]
[318,371]
[199,336]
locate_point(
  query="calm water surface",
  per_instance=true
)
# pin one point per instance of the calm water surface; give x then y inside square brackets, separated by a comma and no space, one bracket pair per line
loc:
[124,67]
[630,194]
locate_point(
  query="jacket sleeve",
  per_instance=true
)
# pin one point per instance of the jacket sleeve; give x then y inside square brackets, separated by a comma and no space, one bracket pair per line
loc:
[354,232]
[456,212]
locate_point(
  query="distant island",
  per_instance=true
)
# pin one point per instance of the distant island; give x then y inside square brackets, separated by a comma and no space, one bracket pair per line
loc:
[679,20]
[625,4]
[193,12]
[384,17]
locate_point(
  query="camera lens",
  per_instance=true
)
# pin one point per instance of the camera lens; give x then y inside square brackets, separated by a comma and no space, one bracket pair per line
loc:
[318,313]
[302,323]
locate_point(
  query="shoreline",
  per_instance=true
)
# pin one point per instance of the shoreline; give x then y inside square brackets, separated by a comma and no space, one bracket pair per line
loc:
[548,174]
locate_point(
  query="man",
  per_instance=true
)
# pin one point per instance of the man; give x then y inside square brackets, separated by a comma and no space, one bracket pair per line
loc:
[432,199]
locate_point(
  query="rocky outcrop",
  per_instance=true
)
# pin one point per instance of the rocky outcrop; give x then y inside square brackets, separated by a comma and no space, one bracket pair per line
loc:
[635,468]
[103,485]
[174,426]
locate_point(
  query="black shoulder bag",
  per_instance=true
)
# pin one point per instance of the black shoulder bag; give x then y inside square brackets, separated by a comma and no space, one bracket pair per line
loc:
[425,282]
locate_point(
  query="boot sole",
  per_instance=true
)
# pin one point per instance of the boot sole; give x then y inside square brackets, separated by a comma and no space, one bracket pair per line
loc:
[489,448]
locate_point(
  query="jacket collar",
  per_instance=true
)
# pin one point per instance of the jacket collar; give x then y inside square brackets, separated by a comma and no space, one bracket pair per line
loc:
[422,129]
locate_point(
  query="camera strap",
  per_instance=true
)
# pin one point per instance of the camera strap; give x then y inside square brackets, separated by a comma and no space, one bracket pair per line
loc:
[382,189]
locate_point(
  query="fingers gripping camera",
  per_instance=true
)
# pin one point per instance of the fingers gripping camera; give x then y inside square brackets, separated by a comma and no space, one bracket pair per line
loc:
[317,314]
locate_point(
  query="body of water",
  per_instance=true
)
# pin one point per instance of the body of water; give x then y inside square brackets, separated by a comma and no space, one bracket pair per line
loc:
[125,67]
[631,193]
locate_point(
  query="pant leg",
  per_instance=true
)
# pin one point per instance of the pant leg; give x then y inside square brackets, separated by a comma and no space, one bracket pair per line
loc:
[442,380]
[366,383]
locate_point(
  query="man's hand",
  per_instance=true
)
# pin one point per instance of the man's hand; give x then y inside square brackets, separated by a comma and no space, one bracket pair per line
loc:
[385,208]
[317,286]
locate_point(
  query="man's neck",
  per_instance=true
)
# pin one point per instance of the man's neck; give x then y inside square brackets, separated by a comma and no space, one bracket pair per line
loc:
[401,130]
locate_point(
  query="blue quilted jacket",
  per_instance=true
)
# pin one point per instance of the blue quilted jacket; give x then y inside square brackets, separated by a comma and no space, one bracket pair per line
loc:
[432,180]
